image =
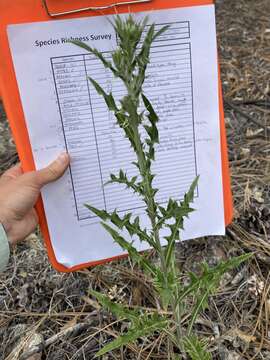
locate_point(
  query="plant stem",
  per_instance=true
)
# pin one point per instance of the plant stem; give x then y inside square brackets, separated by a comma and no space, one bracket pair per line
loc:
[176,306]
[150,201]
[177,313]
[149,198]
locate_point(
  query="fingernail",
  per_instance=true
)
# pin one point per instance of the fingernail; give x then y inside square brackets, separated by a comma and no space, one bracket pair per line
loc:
[64,157]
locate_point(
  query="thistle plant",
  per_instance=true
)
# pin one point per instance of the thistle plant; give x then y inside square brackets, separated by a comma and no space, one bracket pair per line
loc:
[138,120]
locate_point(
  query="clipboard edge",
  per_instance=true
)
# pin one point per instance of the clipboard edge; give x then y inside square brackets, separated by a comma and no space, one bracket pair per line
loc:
[26,156]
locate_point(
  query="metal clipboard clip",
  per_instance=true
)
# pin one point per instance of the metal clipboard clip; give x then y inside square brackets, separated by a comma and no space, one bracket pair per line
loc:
[93,8]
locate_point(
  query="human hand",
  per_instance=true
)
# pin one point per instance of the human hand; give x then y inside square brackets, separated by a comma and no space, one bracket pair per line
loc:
[19,193]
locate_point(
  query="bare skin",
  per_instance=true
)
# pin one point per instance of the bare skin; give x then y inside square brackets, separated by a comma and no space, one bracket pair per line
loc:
[19,193]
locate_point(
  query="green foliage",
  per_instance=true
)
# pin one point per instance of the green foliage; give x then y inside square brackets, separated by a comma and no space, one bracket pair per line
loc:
[151,130]
[109,99]
[166,286]
[106,63]
[178,212]
[142,324]
[129,63]
[133,253]
[201,287]
[132,226]
[130,183]
[145,327]
[118,310]
[195,348]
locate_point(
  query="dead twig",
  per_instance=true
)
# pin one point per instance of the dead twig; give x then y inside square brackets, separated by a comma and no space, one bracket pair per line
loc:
[71,331]
[248,117]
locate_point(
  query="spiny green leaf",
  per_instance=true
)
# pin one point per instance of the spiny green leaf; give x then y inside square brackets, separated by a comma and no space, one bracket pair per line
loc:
[146,328]
[133,228]
[95,52]
[102,214]
[165,285]
[211,276]
[151,152]
[200,305]
[169,251]
[230,264]
[130,183]
[195,348]
[177,211]
[152,131]
[109,99]
[133,253]
[143,56]
[205,285]
[153,117]
[189,197]
[142,59]
[161,31]
[116,220]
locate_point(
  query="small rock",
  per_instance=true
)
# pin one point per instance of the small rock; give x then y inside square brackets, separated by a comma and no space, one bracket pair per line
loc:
[36,340]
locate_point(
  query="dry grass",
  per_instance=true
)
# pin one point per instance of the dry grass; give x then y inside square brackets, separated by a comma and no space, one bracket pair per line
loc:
[55,310]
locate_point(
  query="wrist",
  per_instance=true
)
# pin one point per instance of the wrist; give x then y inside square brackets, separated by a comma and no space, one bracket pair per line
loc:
[5,225]
[4,248]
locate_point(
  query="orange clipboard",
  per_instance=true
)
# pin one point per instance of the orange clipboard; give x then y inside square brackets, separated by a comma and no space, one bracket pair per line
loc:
[25,11]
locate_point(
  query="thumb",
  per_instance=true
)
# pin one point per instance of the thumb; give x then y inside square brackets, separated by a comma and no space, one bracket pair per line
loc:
[53,171]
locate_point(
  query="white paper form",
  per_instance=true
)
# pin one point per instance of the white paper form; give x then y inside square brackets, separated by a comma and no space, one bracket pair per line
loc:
[63,111]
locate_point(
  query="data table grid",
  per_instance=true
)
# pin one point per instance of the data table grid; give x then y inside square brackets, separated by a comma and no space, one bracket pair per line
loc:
[96,144]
